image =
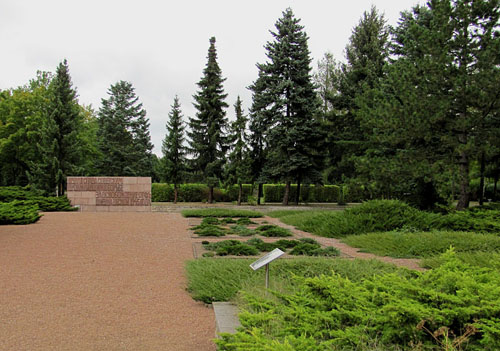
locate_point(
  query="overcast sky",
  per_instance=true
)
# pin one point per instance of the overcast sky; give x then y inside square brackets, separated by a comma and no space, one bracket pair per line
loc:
[161,46]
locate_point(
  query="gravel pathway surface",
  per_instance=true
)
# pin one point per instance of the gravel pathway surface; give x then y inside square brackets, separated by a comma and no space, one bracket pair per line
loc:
[100,281]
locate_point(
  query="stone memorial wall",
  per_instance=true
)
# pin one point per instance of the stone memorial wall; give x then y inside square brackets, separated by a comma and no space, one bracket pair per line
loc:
[110,194]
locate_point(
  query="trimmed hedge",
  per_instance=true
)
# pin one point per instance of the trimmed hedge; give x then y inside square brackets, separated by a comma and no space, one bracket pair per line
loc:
[308,193]
[161,192]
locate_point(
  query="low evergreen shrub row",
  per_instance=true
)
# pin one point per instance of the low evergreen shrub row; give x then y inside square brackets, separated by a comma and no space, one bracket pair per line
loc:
[389,215]
[452,307]
[18,212]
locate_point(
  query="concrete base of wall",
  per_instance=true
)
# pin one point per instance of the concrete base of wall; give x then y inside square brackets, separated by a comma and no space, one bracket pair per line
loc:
[91,208]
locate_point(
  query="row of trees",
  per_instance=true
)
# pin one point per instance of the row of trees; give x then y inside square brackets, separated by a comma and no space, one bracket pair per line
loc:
[412,113]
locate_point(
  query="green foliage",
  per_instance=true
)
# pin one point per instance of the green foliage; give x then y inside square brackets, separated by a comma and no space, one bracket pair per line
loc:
[486,259]
[308,193]
[208,142]
[271,230]
[232,248]
[221,212]
[161,192]
[174,152]
[209,230]
[389,215]
[331,311]
[423,244]
[219,280]
[18,212]
[241,230]
[123,134]
[32,196]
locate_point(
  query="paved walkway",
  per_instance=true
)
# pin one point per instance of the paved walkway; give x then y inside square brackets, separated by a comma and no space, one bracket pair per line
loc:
[100,281]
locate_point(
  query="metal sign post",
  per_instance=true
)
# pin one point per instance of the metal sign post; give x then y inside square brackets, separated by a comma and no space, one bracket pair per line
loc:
[265,260]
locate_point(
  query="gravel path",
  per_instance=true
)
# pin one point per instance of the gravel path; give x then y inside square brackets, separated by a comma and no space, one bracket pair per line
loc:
[100,281]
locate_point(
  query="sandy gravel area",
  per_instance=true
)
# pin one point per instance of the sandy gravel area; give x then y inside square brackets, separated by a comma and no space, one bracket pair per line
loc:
[100,281]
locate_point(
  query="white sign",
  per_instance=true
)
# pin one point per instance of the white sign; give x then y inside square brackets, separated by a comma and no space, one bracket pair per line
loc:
[271,256]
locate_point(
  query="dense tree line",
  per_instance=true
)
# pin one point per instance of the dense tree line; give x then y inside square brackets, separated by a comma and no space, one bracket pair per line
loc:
[412,113]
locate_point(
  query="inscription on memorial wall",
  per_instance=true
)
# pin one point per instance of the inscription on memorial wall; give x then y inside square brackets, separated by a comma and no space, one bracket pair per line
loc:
[110,193]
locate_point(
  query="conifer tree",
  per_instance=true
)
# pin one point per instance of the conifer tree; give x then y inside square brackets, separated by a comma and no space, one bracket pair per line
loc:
[238,170]
[123,134]
[208,140]
[286,105]
[60,144]
[174,151]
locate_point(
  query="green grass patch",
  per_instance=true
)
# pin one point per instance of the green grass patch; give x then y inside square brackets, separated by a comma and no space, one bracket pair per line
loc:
[422,244]
[232,248]
[412,311]
[284,213]
[220,280]
[221,212]
[273,231]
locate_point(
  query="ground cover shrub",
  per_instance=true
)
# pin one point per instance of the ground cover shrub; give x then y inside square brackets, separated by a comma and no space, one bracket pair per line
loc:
[423,244]
[209,230]
[284,213]
[245,221]
[483,259]
[398,311]
[229,220]
[18,212]
[221,212]
[220,280]
[389,215]
[231,247]
[241,230]
[30,196]
[271,230]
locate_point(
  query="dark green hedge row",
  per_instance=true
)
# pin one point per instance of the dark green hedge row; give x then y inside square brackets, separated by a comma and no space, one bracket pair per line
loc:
[161,192]
[308,193]
[18,212]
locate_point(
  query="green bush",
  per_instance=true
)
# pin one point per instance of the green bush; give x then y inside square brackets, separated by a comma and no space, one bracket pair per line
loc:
[44,203]
[232,248]
[18,212]
[271,230]
[309,193]
[209,230]
[396,311]
[161,192]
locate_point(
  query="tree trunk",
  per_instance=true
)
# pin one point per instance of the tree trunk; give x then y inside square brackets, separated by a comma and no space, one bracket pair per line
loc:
[240,192]
[286,194]
[259,193]
[211,194]
[175,194]
[481,183]
[297,194]
[464,197]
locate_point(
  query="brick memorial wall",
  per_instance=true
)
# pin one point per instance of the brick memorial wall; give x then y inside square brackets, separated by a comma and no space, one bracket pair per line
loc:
[110,194]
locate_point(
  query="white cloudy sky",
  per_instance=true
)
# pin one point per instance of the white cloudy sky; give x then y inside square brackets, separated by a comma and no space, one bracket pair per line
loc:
[161,46]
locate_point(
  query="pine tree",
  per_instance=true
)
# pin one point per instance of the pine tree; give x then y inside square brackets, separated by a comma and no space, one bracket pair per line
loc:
[60,144]
[208,140]
[238,170]
[286,105]
[123,134]
[174,152]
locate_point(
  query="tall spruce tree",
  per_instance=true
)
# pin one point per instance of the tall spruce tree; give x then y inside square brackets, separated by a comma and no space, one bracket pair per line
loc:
[174,151]
[366,54]
[123,134]
[60,144]
[208,139]
[286,105]
[238,170]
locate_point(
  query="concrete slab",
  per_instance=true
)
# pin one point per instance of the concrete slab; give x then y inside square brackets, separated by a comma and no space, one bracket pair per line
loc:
[226,317]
